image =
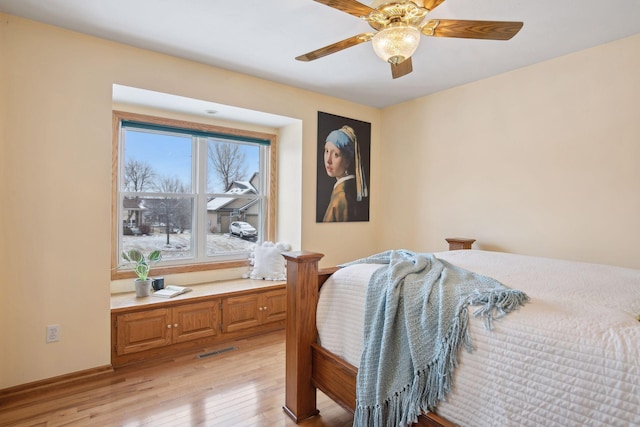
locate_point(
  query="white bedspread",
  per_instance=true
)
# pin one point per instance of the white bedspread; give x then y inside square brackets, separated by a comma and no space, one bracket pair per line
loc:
[570,357]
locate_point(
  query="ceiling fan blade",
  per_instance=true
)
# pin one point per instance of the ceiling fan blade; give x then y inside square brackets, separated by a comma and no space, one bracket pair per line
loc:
[489,30]
[431,4]
[350,6]
[401,69]
[336,47]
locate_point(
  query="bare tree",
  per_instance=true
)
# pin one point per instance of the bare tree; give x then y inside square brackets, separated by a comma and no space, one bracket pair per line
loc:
[170,184]
[138,176]
[228,162]
[175,212]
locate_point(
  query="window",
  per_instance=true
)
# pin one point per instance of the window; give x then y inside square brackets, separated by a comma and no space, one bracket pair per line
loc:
[178,187]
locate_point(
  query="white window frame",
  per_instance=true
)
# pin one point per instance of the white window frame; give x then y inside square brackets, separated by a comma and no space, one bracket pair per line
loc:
[200,262]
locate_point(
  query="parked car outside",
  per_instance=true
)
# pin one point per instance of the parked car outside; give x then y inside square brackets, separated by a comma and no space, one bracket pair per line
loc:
[242,229]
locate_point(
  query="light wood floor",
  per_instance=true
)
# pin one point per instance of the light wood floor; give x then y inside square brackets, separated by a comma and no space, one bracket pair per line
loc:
[243,387]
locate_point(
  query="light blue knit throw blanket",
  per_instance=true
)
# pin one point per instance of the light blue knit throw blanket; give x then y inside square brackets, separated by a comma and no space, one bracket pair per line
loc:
[415,323]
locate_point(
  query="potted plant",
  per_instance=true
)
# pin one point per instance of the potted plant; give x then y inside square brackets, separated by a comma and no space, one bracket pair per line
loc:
[142,266]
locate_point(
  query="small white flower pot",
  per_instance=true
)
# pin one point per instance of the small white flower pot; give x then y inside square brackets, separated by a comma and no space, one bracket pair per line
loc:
[143,287]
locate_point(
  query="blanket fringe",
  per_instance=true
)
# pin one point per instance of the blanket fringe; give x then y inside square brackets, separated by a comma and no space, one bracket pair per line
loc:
[431,385]
[495,305]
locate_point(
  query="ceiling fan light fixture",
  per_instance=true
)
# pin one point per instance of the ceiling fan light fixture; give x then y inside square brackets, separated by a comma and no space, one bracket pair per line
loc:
[396,43]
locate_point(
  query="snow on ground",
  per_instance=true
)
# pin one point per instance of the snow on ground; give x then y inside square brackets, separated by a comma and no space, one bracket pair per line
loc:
[180,244]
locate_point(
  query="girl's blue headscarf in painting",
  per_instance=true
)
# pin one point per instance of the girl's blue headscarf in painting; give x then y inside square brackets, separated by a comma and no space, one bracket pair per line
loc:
[345,140]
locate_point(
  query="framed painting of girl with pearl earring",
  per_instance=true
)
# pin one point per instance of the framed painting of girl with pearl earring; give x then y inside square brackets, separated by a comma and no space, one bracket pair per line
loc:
[344,149]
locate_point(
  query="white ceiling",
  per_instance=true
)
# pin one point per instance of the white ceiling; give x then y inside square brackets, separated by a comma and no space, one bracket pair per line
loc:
[196,107]
[262,38]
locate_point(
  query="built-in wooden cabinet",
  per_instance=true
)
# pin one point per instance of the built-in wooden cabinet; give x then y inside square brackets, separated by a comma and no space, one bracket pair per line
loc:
[141,330]
[147,329]
[252,310]
[151,327]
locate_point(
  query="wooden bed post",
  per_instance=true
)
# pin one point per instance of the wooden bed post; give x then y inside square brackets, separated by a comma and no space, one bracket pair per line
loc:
[332,375]
[302,299]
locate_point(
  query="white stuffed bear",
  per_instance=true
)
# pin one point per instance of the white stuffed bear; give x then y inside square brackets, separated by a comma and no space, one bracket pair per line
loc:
[268,262]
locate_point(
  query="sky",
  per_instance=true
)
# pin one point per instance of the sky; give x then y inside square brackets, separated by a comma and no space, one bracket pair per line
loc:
[170,155]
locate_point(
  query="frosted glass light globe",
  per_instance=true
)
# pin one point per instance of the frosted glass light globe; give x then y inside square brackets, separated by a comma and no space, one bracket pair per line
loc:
[394,44]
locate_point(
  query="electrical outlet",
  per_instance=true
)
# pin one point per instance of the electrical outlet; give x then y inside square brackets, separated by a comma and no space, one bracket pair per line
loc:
[53,333]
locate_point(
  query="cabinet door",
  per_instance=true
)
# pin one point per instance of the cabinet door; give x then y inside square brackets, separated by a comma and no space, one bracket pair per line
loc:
[143,330]
[194,321]
[274,306]
[240,312]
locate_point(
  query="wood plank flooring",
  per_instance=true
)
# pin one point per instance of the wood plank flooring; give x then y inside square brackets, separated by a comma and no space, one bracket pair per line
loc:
[243,387]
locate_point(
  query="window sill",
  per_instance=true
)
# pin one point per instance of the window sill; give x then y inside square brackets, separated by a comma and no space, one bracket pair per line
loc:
[186,268]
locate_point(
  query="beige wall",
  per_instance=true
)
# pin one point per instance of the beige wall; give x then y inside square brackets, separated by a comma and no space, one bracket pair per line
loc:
[544,160]
[56,152]
[3,179]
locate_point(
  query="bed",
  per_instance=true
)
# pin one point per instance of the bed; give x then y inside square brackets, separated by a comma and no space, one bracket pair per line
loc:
[569,357]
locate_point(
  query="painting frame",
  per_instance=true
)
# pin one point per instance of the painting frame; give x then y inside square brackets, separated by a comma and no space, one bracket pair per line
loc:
[360,132]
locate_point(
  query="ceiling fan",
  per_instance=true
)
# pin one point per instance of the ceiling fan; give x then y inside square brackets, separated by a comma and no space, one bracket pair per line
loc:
[399,26]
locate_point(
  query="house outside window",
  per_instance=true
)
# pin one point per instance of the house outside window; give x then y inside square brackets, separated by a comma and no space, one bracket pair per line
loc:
[178,186]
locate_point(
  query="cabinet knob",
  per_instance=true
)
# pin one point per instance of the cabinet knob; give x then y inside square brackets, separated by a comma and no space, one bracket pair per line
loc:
[265,307]
[260,308]
[168,326]
[175,325]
